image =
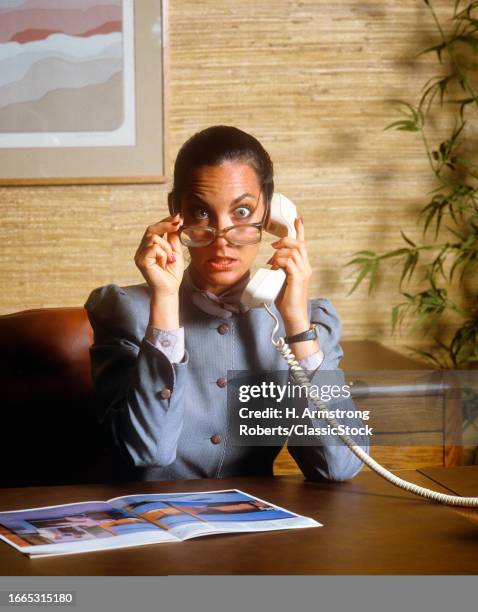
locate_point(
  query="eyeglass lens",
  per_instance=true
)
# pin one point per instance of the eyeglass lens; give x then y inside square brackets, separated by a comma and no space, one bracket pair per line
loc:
[197,235]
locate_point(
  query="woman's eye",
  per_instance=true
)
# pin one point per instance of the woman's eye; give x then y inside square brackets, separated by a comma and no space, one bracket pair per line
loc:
[200,213]
[243,211]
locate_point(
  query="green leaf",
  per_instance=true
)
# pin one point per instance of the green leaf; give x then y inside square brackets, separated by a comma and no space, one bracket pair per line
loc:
[395,314]
[368,253]
[398,313]
[456,263]
[357,260]
[403,125]
[395,253]
[363,273]
[463,103]
[435,207]
[373,276]
[409,266]
[407,239]
[414,121]
[435,49]
[437,84]
[469,241]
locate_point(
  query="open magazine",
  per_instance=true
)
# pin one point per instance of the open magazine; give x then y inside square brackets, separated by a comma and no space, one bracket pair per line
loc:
[134,520]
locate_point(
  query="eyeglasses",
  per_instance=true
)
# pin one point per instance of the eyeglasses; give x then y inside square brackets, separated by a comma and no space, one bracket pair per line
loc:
[236,235]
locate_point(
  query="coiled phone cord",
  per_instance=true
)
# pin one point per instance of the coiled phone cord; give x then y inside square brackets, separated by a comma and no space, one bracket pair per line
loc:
[301,377]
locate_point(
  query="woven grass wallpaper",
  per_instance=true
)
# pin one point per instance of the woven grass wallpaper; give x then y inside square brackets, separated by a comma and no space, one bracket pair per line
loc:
[313,80]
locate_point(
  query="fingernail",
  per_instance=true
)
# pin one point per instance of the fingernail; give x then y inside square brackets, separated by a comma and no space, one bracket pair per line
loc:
[301,219]
[172,259]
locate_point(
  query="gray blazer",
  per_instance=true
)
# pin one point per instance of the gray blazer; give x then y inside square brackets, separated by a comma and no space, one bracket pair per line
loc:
[171,420]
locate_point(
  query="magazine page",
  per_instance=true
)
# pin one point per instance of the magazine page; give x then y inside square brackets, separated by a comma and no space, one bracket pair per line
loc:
[187,515]
[81,527]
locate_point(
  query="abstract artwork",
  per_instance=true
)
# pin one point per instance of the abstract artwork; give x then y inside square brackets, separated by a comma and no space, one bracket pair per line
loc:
[68,80]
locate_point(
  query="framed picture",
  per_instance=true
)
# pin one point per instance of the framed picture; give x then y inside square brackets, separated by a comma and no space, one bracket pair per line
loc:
[83,91]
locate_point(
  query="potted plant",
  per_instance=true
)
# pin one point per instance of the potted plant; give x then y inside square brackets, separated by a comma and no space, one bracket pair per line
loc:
[447,253]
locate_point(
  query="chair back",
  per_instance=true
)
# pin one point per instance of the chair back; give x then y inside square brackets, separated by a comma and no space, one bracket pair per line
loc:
[50,431]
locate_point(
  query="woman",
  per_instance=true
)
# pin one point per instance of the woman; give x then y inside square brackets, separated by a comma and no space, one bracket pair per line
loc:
[162,349]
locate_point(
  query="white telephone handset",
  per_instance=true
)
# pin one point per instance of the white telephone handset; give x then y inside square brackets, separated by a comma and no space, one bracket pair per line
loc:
[265,285]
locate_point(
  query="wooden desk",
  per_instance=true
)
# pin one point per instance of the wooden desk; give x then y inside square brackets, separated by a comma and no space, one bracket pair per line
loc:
[461,480]
[370,527]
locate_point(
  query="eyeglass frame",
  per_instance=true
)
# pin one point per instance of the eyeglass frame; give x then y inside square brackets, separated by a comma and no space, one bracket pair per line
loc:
[218,233]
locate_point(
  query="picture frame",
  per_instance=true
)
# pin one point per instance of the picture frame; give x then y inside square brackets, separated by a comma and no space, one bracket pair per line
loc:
[83,92]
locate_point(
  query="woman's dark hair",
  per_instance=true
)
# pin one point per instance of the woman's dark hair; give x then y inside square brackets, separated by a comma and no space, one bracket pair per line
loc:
[213,146]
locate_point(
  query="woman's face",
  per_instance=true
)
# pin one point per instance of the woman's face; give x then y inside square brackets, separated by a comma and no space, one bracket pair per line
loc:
[221,196]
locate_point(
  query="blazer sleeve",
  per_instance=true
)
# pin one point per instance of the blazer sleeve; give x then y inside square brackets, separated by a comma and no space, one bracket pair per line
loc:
[138,390]
[330,459]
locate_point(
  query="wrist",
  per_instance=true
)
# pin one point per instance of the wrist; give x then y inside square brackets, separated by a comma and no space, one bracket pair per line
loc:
[164,311]
[304,349]
[296,325]
[158,294]
[304,336]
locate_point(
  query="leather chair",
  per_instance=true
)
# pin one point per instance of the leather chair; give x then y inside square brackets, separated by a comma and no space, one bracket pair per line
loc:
[50,431]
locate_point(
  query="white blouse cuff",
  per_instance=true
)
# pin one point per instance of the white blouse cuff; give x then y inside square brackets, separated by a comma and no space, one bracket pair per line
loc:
[169,341]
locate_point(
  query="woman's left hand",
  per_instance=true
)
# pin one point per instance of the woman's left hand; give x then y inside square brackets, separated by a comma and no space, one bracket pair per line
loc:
[291,256]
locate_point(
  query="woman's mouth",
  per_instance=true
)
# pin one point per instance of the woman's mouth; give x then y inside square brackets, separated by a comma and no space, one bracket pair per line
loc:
[221,263]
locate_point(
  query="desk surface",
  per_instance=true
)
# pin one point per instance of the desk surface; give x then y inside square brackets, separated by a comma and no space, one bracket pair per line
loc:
[370,527]
[461,480]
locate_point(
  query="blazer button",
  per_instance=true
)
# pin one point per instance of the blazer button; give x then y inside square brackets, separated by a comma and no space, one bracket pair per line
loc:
[216,439]
[221,382]
[223,328]
[165,393]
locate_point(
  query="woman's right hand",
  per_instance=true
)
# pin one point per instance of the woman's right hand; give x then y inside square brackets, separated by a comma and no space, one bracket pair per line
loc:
[160,259]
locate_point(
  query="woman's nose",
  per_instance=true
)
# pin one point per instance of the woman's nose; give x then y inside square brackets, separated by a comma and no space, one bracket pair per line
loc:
[221,240]
[221,225]
[223,222]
